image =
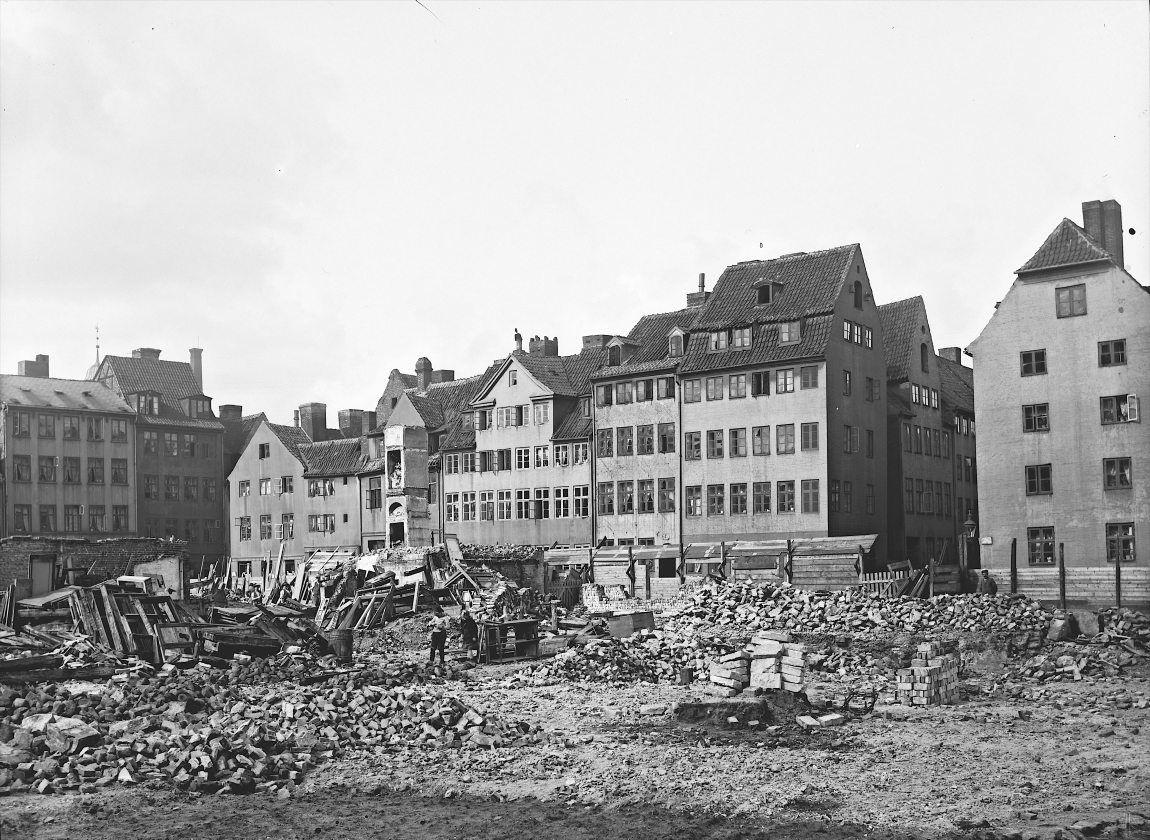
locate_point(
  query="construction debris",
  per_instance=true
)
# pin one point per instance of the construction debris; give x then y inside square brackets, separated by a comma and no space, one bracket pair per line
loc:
[932,678]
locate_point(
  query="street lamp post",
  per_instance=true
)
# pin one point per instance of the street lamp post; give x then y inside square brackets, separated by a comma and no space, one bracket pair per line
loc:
[967,534]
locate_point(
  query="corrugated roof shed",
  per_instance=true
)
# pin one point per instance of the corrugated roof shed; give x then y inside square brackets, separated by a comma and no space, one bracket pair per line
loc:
[1068,244]
[65,394]
[899,320]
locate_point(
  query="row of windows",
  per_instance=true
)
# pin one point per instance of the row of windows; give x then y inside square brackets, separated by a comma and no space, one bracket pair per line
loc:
[1119,538]
[924,396]
[644,496]
[635,440]
[49,469]
[177,445]
[191,530]
[1110,354]
[740,498]
[269,487]
[285,529]
[1122,408]
[537,503]
[927,497]
[172,485]
[641,390]
[73,521]
[841,497]
[858,334]
[520,458]
[925,441]
[70,425]
[1117,474]
[508,416]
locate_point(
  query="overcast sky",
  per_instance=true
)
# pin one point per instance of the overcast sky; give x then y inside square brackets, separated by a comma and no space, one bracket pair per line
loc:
[316,193]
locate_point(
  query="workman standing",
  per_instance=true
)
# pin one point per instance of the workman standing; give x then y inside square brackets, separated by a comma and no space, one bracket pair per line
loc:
[438,634]
[469,629]
[987,584]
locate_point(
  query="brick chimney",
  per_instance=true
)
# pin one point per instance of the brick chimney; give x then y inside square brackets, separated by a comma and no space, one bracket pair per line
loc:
[196,357]
[231,413]
[596,342]
[700,297]
[423,372]
[1103,223]
[37,368]
[313,420]
[952,354]
[351,422]
[145,353]
[442,375]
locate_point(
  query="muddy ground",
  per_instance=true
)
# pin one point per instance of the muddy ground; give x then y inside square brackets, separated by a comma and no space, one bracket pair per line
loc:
[1072,763]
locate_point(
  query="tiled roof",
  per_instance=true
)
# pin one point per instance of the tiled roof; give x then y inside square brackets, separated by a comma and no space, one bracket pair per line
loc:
[650,337]
[899,320]
[765,348]
[811,285]
[458,437]
[580,367]
[574,427]
[291,437]
[1068,244]
[444,400]
[172,379]
[428,409]
[956,385]
[333,457]
[70,394]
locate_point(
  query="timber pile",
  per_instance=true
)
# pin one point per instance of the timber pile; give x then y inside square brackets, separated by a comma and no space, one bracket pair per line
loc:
[752,606]
[231,732]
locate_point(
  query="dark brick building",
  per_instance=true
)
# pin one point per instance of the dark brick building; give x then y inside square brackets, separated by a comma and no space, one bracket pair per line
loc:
[179,448]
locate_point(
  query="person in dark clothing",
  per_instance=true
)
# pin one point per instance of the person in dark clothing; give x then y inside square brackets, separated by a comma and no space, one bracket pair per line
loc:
[438,635]
[469,629]
[987,584]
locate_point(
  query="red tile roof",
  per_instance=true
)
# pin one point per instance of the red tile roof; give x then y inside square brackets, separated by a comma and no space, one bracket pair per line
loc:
[333,457]
[899,320]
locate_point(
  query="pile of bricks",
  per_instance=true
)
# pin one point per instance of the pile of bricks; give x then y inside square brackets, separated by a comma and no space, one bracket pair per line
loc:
[932,678]
[769,661]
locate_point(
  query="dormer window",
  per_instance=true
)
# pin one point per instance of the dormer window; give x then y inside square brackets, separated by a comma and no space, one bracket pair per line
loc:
[199,407]
[740,337]
[675,345]
[613,355]
[789,332]
[147,404]
[718,341]
[764,294]
[767,292]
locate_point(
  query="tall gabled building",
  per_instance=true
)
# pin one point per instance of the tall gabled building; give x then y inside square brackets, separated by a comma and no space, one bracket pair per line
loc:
[956,392]
[783,408]
[179,448]
[636,439]
[920,443]
[516,466]
[1061,371]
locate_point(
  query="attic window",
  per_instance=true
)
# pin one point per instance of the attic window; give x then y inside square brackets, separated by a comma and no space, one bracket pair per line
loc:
[613,355]
[768,292]
[858,294]
[675,345]
[734,339]
[789,332]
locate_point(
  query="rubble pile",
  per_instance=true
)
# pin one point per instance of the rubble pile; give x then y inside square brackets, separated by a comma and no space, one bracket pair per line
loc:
[238,731]
[753,606]
[1070,661]
[1122,625]
[932,676]
[472,551]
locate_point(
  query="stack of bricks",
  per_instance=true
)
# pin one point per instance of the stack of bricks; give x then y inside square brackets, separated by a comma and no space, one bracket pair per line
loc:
[776,662]
[731,674]
[932,678]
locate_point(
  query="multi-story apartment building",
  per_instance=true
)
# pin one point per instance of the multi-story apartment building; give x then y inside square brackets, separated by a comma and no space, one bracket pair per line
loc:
[783,405]
[636,439]
[956,389]
[179,448]
[516,466]
[67,456]
[289,492]
[1059,371]
[920,486]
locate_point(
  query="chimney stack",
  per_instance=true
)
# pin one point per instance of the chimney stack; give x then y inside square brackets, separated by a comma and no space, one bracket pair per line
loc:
[423,372]
[231,413]
[518,342]
[38,368]
[700,297]
[145,353]
[351,422]
[952,354]
[197,360]
[442,375]
[313,420]
[1103,223]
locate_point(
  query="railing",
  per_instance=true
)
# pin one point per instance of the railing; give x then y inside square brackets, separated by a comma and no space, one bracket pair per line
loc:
[884,583]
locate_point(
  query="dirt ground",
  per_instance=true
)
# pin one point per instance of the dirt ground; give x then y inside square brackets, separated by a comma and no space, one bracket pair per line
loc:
[1070,764]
